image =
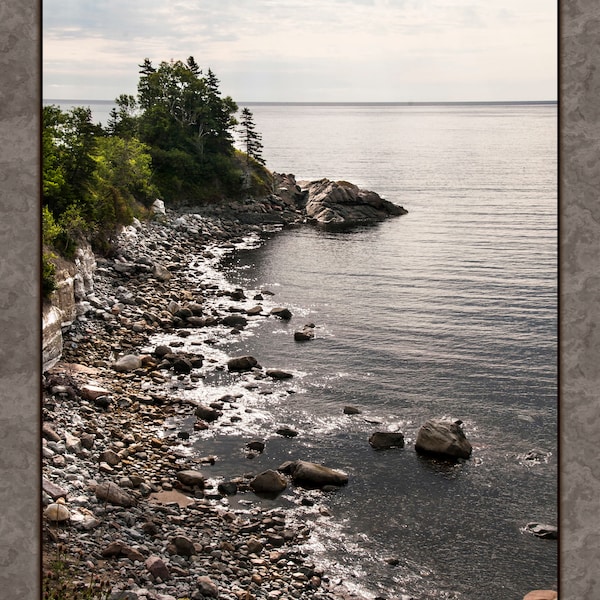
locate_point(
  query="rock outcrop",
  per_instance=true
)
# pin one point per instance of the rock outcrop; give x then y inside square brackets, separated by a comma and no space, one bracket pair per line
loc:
[74,282]
[343,204]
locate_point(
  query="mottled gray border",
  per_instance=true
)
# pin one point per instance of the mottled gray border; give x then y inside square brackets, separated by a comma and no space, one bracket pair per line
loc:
[580,299]
[19,300]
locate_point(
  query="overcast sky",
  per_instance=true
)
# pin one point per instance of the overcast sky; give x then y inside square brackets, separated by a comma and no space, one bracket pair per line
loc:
[308,50]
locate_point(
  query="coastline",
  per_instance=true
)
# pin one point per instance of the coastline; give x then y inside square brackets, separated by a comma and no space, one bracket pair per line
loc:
[135,521]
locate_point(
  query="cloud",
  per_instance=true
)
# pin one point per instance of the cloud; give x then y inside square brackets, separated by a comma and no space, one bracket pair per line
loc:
[340,41]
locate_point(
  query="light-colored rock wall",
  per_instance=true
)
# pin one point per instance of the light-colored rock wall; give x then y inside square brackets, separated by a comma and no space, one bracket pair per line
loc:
[74,282]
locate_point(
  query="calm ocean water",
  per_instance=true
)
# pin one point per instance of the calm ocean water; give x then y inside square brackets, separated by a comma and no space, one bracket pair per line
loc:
[448,310]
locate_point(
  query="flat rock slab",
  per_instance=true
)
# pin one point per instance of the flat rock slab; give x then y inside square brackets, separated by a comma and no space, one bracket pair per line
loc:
[170,497]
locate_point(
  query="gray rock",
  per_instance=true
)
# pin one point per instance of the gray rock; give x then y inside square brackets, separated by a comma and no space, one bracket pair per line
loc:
[191,478]
[443,437]
[207,413]
[305,334]
[313,475]
[344,204]
[183,545]
[287,432]
[207,587]
[129,362]
[158,568]
[542,530]
[282,313]
[382,440]
[279,374]
[112,493]
[161,273]
[242,363]
[235,321]
[268,482]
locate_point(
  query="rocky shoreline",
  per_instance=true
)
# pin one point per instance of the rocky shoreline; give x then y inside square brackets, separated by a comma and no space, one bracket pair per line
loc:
[125,507]
[129,512]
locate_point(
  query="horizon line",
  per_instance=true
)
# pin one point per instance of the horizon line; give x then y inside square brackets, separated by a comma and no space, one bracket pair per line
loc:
[346,103]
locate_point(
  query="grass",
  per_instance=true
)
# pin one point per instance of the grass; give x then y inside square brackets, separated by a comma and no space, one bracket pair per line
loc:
[61,580]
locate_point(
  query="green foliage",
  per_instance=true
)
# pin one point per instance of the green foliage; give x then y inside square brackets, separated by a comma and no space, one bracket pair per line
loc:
[250,137]
[174,140]
[188,126]
[48,275]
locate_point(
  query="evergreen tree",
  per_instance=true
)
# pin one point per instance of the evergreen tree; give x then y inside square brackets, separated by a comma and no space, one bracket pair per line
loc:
[251,138]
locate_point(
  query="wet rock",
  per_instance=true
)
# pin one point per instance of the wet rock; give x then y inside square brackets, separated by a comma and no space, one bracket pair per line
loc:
[542,530]
[286,432]
[182,365]
[256,446]
[383,440]
[235,321]
[242,363]
[268,482]
[305,334]
[278,374]
[206,413]
[228,488]
[351,410]
[281,313]
[443,437]
[313,475]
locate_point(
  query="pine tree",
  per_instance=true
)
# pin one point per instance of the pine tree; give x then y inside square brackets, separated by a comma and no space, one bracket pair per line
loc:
[251,138]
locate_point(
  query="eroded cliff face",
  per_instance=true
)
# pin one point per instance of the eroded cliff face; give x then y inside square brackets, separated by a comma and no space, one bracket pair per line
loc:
[74,282]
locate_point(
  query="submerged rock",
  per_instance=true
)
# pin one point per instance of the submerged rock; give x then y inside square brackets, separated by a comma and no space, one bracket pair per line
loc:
[443,437]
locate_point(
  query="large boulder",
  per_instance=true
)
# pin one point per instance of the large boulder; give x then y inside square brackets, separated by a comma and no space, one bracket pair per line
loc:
[242,363]
[313,475]
[339,203]
[443,437]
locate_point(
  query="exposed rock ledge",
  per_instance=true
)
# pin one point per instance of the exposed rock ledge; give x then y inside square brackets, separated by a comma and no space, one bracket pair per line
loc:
[339,203]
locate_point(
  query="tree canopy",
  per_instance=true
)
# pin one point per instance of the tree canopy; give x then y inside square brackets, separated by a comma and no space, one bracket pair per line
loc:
[173,140]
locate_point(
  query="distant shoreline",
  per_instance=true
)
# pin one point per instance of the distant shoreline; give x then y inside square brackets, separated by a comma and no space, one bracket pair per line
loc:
[257,103]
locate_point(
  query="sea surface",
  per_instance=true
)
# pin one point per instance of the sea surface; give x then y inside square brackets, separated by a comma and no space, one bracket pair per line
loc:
[450,310]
